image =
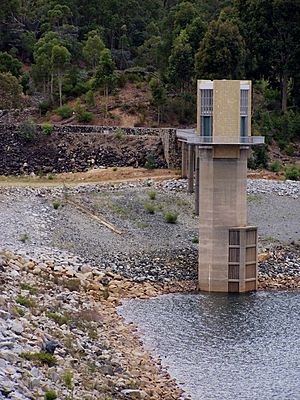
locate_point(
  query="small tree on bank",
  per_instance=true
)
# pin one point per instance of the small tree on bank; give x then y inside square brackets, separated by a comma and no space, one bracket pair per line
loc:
[158,96]
[105,75]
[60,59]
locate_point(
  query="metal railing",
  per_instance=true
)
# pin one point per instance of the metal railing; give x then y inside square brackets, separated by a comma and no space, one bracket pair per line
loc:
[190,136]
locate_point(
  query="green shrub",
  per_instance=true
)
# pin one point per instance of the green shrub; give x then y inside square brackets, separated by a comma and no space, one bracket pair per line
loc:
[25,80]
[150,161]
[289,150]
[152,195]
[25,301]
[283,127]
[44,106]
[292,172]
[85,116]
[40,358]
[149,208]
[20,311]
[195,239]
[170,217]
[181,108]
[125,107]
[27,131]
[24,238]
[275,166]
[115,169]
[134,77]
[65,111]
[25,286]
[119,134]
[68,379]
[90,98]
[58,318]
[50,395]
[259,158]
[121,80]
[287,128]
[56,204]
[47,129]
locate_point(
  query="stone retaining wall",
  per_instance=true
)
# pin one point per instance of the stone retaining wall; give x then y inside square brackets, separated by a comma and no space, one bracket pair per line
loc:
[79,147]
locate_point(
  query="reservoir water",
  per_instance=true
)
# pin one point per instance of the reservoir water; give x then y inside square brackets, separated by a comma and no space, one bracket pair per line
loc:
[225,347]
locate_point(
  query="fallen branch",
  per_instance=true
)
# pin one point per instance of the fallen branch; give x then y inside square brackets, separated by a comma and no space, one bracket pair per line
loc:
[93,216]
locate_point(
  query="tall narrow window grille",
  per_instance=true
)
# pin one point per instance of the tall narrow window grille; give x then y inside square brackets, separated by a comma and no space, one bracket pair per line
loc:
[244,112]
[206,112]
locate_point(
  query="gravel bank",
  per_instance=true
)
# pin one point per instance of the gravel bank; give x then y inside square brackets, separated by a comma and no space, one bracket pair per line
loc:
[148,248]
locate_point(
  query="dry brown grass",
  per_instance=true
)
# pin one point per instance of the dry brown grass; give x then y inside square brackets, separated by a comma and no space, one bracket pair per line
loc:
[124,174]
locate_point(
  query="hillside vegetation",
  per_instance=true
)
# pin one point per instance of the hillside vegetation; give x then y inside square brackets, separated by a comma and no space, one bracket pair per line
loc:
[135,62]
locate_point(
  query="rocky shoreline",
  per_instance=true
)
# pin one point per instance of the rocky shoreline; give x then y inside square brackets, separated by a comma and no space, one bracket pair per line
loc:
[61,285]
[96,355]
[60,330]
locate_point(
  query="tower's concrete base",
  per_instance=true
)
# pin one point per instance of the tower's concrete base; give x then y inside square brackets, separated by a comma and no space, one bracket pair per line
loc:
[227,247]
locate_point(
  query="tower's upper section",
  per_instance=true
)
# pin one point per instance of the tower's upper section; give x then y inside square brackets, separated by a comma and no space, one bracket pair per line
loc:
[224,111]
[223,115]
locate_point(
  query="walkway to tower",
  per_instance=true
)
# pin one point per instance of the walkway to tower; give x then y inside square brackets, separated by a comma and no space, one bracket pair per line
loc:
[190,141]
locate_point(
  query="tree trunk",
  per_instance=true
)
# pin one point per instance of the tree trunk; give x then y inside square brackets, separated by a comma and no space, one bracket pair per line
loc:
[106,101]
[60,89]
[284,89]
[51,88]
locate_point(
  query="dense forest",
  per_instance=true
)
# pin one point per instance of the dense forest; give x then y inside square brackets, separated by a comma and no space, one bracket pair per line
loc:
[72,49]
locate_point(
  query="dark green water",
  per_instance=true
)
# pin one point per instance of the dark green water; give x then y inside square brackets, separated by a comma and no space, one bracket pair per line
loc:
[225,347]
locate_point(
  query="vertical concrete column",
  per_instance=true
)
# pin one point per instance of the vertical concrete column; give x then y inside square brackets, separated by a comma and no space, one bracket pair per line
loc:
[222,206]
[191,163]
[184,157]
[197,183]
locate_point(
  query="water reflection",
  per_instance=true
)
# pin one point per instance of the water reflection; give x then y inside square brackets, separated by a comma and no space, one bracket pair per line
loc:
[225,346]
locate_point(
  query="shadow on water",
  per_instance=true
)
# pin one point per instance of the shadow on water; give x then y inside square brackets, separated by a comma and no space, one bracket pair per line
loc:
[221,346]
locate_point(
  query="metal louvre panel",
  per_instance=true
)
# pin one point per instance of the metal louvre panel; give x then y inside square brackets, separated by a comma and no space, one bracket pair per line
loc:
[206,104]
[244,102]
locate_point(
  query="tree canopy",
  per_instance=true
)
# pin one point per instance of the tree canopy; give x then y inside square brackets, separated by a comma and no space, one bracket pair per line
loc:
[221,53]
[11,95]
[177,40]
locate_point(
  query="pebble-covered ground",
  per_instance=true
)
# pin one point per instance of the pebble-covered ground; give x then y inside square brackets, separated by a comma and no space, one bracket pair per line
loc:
[148,247]
[57,251]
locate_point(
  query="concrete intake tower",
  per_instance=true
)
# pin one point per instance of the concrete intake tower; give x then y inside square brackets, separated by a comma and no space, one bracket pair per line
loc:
[215,157]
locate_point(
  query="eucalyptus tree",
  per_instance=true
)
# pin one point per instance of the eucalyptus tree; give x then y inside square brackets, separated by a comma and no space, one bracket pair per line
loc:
[92,49]
[60,59]
[181,62]
[272,33]
[221,54]
[105,75]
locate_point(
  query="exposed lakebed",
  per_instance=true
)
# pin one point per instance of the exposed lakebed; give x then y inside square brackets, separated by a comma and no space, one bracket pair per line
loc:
[225,346]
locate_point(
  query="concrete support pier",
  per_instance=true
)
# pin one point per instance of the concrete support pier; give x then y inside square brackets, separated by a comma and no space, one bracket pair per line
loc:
[224,205]
[191,167]
[197,183]
[184,160]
